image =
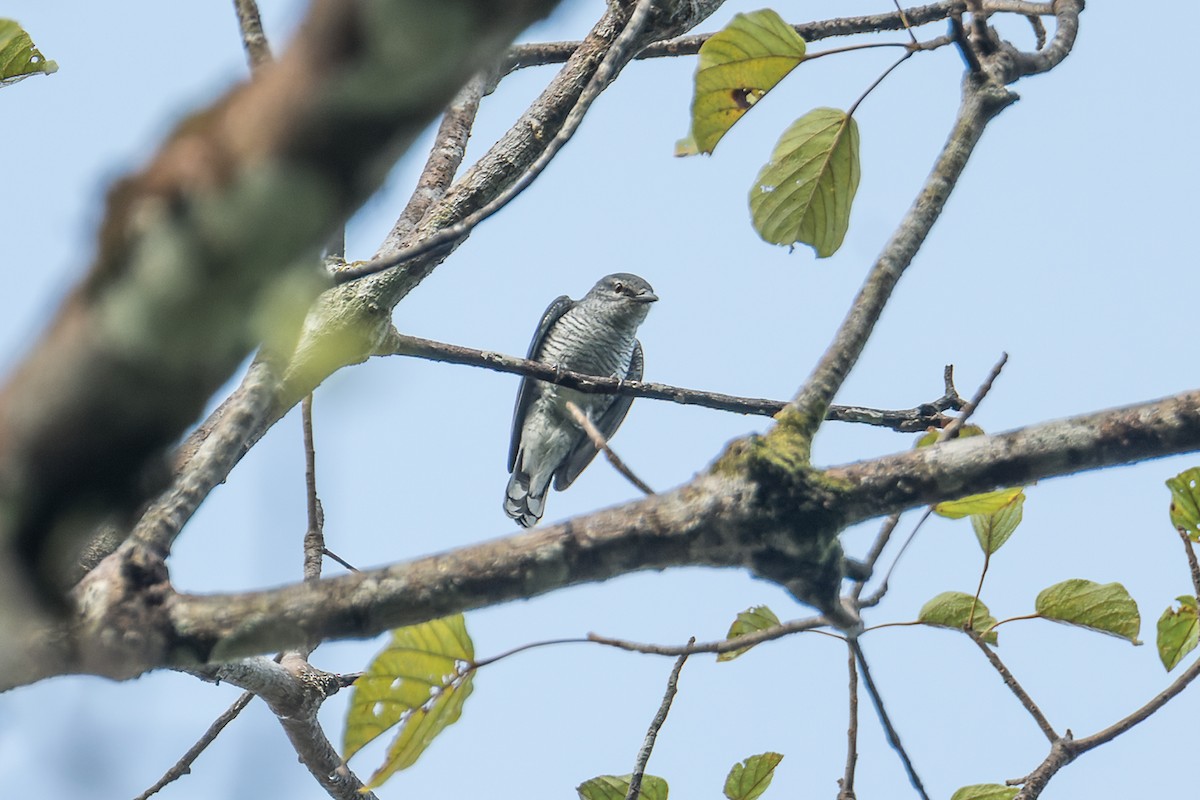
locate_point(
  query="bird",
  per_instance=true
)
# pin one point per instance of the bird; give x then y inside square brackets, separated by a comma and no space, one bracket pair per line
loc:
[595,335]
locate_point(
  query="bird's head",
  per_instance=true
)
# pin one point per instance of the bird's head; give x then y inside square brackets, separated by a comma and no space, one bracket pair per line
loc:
[624,288]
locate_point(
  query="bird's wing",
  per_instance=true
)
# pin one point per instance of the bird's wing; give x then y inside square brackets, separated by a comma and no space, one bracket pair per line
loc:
[582,453]
[525,394]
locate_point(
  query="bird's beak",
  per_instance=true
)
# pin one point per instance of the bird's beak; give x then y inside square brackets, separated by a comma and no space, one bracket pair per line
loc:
[647,297]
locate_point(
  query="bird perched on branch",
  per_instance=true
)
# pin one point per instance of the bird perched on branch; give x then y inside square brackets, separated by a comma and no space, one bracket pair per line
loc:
[595,335]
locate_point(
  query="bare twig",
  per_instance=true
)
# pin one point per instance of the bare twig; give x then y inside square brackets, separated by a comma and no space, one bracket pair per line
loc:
[909,420]
[1193,566]
[951,430]
[447,237]
[340,560]
[878,594]
[639,769]
[723,646]
[314,537]
[1066,749]
[599,442]
[184,765]
[258,51]
[1014,686]
[892,736]
[846,784]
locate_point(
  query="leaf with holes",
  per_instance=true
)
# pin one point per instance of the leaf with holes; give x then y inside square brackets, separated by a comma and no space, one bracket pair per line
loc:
[986,503]
[19,58]
[1178,632]
[418,682]
[615,787]
[1185,502]
[749,779]
[994,529]
[804,193]
[985,791]
[758,618]
[1106,608]
[954,610]
[738,65]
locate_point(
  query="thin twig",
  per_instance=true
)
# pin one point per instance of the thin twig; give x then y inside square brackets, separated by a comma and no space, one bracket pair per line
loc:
[258,51]
[483,662]
[1193,566]
[643,757]
[326,551]
[878,594]
[599,442]
[314,537]
[184,765]
[951,430]
[846,784]
[881,540]
[447,237]
[875,84]
[920,418]
[892,736]
[1014,686]
[742,642]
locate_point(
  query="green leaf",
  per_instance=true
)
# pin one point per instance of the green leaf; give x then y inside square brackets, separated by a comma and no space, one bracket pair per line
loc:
[749,779]
[613,787]
[993,530]
[986,503]
[18,57]
[1185,502]
[418,682]
[738,65]
[965,432]
[804,193]
[954,610]
[1178,632]
[1107,608]
[752,619]
[985,791]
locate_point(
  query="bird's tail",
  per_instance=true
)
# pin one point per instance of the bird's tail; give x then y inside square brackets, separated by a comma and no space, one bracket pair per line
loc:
[520,503]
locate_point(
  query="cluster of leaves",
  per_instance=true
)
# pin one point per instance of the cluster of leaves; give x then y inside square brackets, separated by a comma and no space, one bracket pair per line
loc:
[1179,628]
[19,57]
[804,193]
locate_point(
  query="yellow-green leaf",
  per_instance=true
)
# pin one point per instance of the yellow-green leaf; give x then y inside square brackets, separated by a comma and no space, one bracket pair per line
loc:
[1106,608]
[749,779]
[993,530]
[418,682]
[615,787]
[19,58]
[1178,632]
[985,791]
[930,437]
[804,193]
[753,619]
[986,503]
[955,610]
[738,65]
[1185,502]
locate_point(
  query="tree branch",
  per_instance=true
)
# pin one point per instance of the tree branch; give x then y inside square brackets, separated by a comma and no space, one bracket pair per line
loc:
[910,420]
[643,757]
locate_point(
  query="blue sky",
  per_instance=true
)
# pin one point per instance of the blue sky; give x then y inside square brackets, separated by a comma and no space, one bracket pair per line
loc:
[1068,244]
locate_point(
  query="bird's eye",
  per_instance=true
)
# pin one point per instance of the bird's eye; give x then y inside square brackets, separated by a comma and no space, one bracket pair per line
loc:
[618,287]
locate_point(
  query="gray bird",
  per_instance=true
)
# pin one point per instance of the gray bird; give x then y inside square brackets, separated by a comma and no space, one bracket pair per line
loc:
[595,335]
